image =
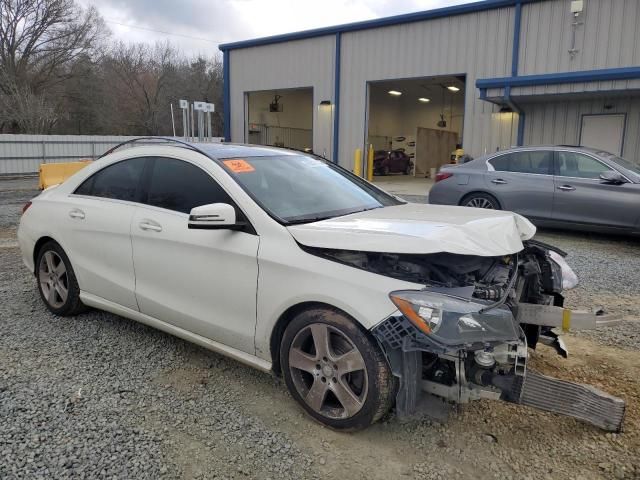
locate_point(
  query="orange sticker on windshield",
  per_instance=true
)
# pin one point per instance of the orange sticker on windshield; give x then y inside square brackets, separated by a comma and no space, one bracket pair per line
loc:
[239,166]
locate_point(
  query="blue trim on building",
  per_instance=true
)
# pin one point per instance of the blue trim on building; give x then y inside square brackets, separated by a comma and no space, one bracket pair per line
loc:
[515,56]
[607,74]
[377,23]
[336,98]
[226,95]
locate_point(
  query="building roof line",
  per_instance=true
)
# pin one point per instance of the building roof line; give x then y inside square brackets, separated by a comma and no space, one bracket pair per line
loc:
[378,22]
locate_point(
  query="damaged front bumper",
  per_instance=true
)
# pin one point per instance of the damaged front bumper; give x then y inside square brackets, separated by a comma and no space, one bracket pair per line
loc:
[495,369]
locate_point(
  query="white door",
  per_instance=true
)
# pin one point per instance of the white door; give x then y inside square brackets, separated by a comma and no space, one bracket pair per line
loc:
[98,217]
[605,132]
[203,281]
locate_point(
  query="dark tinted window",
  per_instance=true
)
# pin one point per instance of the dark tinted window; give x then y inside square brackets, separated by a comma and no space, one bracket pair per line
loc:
[119,181]
[180,186]
[538,161]
[572,164]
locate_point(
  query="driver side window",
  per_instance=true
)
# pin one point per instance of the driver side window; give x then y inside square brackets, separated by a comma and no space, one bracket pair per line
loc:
[571,164]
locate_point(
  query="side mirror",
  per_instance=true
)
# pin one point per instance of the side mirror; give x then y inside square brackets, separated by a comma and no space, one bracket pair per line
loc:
[215,216]
[611,176]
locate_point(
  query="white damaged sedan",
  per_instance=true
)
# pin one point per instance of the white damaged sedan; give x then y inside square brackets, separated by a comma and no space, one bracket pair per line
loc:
[294,266]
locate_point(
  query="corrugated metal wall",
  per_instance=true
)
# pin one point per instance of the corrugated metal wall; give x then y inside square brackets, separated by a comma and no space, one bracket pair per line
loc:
[303,63]
[559,122]
[21,154]
[477,45]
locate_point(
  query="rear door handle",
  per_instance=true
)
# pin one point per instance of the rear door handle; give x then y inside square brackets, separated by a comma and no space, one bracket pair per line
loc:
[76,213]
[566,188]
[498,181]
[150,225]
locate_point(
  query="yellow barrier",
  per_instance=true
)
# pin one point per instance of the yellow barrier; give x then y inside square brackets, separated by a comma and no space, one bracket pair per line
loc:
[357,162]
[370,164]
[54,173]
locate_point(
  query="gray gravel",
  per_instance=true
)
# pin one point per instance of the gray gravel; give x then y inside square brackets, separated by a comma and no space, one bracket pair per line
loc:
[99,396]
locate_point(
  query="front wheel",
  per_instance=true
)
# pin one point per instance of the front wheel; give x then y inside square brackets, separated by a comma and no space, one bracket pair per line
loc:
[335,370]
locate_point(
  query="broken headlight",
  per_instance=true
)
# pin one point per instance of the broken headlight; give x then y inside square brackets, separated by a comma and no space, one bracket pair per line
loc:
[455,321]
[569,278]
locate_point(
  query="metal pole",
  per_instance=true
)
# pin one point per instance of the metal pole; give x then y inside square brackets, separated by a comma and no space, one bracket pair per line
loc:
[209,125]
[192,124]
[173,121]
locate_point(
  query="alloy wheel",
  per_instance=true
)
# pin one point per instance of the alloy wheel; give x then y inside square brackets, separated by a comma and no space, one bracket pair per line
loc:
[480,202]
[53,278]
[328,371]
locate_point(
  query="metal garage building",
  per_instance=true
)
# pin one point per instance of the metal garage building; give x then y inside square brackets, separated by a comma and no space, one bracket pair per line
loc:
[490,74]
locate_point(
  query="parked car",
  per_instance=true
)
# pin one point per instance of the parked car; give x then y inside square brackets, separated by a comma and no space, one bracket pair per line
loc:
[558,186]
[394,161]
[295,266]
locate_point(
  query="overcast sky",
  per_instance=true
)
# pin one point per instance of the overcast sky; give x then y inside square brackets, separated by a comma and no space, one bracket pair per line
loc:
[221,21]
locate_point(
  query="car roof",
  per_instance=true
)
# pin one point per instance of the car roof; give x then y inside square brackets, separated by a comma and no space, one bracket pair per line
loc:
[576,148]
[214,150]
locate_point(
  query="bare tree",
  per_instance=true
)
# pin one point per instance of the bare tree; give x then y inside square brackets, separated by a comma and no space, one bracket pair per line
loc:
[26,111]
[39,39]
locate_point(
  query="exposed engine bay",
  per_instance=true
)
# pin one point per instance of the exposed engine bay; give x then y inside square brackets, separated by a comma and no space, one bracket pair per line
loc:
[465,334]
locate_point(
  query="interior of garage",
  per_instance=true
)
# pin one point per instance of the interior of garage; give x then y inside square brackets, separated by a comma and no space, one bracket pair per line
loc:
[421,118]
[280,118]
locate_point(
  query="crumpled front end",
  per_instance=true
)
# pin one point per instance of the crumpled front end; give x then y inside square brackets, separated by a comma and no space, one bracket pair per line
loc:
[468,342]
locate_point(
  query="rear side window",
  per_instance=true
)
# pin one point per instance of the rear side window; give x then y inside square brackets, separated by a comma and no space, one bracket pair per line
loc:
[537,161]
[181,186]
[119,181]
[571,164]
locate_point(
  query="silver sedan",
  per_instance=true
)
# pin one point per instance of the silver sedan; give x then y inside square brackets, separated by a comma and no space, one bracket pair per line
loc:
[559,186]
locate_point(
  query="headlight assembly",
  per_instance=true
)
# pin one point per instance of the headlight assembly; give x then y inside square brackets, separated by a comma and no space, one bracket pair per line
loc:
[454,321]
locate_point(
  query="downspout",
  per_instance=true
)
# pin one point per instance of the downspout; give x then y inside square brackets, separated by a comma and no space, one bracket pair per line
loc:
[336,98]
[515,57]
[226,95]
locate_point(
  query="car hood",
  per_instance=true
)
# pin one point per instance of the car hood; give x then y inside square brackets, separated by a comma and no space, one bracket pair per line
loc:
[420,229]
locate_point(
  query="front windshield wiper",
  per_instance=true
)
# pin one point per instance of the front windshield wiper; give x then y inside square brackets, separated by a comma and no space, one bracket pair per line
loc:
[298,221]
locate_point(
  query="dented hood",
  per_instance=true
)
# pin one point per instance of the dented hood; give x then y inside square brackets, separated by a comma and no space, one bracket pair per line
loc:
[418,228]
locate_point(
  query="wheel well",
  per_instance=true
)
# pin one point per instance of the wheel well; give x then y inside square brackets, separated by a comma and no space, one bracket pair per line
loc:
[36,249]
[283,322]
[463,199]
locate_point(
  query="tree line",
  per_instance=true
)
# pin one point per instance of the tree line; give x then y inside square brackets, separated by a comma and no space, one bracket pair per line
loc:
[61,73]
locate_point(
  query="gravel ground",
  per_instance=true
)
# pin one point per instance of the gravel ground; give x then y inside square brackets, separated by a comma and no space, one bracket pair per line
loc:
[99,396]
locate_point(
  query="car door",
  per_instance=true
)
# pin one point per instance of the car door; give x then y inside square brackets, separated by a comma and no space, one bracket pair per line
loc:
[522,181]
[98,218]
[582,198]
[203,281]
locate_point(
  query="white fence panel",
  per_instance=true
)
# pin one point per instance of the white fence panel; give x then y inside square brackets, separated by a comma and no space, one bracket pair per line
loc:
[23,154]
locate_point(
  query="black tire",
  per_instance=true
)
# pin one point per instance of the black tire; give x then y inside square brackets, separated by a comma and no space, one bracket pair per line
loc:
[407,171]
[385,170]
[373,387]
[51,284]
[481,200]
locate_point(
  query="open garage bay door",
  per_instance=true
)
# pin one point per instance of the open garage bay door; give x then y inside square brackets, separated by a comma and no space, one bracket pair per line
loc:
[280,118]
[418,120]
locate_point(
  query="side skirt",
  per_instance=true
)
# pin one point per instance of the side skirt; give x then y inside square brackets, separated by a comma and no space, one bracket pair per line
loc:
[242,357]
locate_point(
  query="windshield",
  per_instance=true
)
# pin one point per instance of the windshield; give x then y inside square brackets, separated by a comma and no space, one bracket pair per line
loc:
[300,188]
[628,164]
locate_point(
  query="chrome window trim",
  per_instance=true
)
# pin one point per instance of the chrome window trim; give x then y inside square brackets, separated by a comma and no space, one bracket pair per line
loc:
[490,167]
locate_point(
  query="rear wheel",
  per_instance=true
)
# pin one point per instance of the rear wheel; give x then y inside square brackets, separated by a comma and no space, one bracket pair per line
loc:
[480,200]
[57,281]
[385,170]
[335,370]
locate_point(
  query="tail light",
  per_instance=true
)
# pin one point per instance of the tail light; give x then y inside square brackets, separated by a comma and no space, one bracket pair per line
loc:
[26,206]
[443,175]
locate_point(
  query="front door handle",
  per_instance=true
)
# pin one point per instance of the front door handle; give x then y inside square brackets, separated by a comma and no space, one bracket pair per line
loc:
[76,213]
[566,188]
[498,181]
[150,225]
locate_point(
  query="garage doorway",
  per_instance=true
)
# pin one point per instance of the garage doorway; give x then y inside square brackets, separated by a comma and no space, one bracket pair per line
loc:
[605,132]
[280,118]
[420,119]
